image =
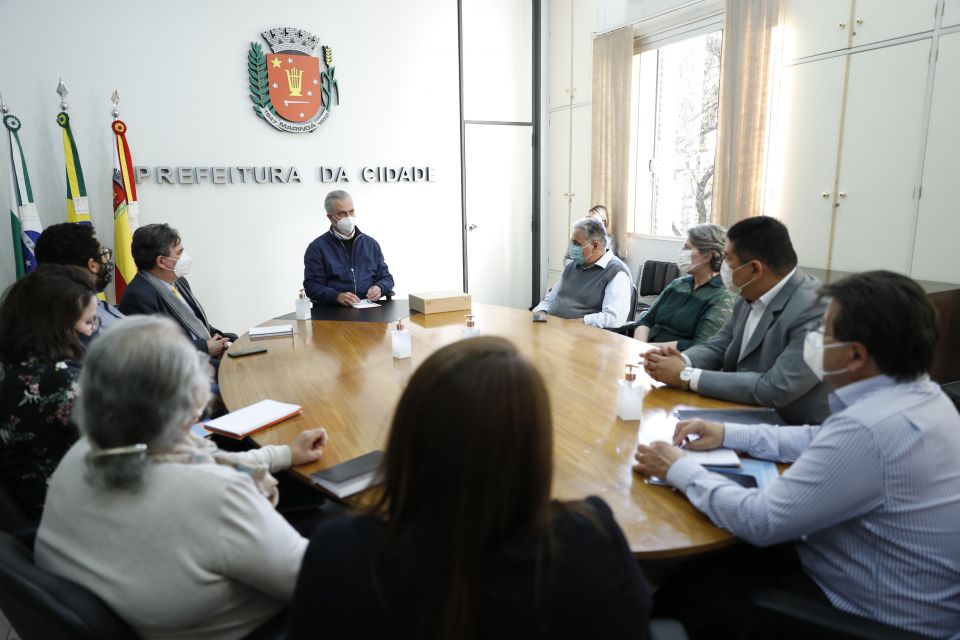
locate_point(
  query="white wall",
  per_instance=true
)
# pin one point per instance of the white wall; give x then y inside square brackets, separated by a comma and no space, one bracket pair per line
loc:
[613,14]
[643,248]
[180,68]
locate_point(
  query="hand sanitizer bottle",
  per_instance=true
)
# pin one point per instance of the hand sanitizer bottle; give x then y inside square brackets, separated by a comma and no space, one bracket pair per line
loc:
[303,306]
[400,338]
[630,396]
[471,330]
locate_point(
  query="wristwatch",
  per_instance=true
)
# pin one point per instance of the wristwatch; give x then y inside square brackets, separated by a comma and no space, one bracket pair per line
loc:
[685,376]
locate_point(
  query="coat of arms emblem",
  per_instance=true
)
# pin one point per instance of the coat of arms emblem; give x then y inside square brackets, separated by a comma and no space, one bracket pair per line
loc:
[292,88]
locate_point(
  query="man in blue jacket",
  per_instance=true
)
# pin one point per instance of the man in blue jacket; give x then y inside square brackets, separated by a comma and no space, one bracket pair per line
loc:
[343,264]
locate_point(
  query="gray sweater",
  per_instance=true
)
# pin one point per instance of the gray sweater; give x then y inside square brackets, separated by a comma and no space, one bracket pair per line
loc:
[196,553]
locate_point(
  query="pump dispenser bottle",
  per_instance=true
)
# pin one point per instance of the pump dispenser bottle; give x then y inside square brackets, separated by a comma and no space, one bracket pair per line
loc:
[471,330]
[630,394]
[303,306]
[400,338]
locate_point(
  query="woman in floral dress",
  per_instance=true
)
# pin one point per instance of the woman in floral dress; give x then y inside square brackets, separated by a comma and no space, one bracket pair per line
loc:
[43,318]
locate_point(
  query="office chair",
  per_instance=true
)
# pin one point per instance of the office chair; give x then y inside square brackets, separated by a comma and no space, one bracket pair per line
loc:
[12,516]
[785,616]
[628,328]
[653,279]
[44,606]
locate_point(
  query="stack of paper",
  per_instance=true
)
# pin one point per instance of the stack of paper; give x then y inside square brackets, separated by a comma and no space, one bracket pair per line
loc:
[715,457]
[365,304]
[350,477]
[260,415]
[271,332]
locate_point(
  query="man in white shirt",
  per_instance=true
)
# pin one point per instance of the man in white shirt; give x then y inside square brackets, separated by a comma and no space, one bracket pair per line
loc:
[595,284]
[757,357]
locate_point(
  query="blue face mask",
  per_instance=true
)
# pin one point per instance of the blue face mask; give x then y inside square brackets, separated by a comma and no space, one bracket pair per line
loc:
[576,254]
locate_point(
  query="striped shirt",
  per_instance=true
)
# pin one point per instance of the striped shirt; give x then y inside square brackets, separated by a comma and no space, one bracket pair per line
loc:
[872,499]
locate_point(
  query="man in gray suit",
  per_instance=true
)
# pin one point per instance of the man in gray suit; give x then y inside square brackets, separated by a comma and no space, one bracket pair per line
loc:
[757,357]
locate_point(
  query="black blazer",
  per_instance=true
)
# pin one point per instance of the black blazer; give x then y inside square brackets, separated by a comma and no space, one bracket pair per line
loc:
[590,586]
[141,298]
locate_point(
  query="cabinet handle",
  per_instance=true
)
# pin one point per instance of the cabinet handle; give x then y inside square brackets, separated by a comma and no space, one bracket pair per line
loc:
[824,195]
[859,21]
[841,25]
[842,194]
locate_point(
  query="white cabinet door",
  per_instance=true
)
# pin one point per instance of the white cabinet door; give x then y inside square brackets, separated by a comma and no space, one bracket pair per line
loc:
[935,254]
[580,135]
[882,137]
[804,155]
[814,26]
[558,200]
[951,13]
[499,178]
[584,24]
[497,60]
[559,52]
[878,20]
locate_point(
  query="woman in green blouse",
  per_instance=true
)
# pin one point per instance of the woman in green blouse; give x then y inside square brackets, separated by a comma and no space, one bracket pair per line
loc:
[693,307]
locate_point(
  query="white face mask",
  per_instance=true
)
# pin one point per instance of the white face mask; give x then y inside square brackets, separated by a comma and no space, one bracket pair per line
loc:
[726,274]
[346,225]
[183,265]
[685,261]
[813,349]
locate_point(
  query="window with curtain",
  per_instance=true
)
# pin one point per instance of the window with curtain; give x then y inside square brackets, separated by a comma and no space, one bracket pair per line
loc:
[673,139]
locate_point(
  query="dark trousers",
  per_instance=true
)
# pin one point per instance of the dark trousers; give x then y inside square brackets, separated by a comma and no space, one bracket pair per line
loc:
[711,595]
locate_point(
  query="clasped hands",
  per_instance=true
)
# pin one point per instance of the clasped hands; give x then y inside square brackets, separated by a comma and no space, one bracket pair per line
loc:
[348,298]
[657,458]
[664,364]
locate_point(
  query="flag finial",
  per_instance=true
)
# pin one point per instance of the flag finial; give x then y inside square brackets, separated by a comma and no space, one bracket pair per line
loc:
[115,99]
[62,91]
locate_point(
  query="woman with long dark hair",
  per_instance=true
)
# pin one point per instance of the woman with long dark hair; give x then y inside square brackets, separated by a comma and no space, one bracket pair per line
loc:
[43,318]
[465,541]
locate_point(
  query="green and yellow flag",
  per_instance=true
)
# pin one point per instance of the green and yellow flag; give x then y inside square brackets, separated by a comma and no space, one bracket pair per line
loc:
[78,208]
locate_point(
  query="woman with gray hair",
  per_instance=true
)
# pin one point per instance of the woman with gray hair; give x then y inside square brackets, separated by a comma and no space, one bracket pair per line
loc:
[693,307]
[178,537]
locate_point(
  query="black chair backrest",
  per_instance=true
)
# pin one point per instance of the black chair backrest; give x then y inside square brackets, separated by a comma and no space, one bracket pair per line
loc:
[42,606]
[656,275]
[633,303]
[11,515]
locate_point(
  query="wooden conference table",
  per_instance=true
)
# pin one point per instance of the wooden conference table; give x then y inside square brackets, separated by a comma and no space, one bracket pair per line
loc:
[344,376]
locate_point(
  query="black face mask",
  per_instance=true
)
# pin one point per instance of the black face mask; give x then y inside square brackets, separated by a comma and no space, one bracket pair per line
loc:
[105,276]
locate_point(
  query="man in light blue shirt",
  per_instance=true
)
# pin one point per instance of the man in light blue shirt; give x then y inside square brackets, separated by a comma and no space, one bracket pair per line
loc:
[872,499]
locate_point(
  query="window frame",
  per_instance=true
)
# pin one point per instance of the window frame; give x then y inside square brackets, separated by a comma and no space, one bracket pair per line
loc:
[689,21]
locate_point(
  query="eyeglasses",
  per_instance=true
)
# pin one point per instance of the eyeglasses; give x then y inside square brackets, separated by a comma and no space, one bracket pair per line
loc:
[822,329]
[106,254]
[93,323]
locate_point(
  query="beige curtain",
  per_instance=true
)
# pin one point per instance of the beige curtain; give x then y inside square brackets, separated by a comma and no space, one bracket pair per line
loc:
[744,99]
[610,145]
